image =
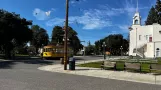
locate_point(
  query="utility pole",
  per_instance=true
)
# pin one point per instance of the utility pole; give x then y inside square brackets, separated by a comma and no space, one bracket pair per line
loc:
[66,31]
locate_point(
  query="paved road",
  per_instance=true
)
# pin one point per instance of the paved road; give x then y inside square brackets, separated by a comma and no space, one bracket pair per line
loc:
[24,75]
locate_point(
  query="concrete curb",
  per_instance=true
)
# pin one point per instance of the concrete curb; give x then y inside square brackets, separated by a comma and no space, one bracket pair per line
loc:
[95,72]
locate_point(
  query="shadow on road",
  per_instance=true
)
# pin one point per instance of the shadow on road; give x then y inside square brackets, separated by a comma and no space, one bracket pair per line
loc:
[33,60]
[41,62]
[6,64]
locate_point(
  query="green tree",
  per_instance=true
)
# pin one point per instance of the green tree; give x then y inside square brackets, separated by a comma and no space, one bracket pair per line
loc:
[158,10]
[40,37]
[90,49]
[152,17]
[73,40]
[14,30]
[113,44]
[125,45]
[21,49]
[57,35]
[158,6]
[98,46]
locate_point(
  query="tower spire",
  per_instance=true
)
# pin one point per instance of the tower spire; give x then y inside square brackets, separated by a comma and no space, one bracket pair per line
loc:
[137,7]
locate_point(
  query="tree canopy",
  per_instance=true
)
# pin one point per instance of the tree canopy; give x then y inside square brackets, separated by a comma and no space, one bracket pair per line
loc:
[90,49]
[154,15]
[14,30]
[73,40]
[40,37]
[57,35]
[113,44]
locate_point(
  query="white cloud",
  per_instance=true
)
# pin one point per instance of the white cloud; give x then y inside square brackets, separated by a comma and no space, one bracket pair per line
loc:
[124,28]
[77,1]
[48,13]
[42,15]
[98,18]
[72,2]
[130,8]
[55,21]
[91,19]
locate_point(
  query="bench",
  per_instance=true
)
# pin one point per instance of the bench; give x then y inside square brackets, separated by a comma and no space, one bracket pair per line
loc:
[155,67]
[134,66]
[120,66]
[108,64]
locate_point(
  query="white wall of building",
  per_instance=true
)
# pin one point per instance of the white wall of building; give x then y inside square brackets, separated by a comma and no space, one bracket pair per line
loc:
[156,33]
[141,34]
[139,38]
[150,49]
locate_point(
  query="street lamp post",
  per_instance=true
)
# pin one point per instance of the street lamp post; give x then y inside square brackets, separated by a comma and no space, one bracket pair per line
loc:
[42,50]
[84,47]
[121,50]
[104,45]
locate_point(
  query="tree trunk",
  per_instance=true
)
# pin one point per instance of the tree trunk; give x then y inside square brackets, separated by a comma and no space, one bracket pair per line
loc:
[37,50]
[8,48]
[7,53]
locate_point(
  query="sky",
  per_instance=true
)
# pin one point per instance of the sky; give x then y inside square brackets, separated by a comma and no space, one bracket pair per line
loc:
[91,19]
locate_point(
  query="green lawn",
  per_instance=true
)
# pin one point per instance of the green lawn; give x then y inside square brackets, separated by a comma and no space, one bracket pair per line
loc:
[159,61]
[145,67]
[119,65]
[21,55]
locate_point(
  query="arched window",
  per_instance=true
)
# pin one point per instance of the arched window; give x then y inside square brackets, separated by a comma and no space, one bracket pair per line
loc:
[157,52]
[136,22]
[157,49]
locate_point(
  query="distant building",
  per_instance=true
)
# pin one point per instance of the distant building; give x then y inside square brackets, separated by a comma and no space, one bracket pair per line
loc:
[145,41]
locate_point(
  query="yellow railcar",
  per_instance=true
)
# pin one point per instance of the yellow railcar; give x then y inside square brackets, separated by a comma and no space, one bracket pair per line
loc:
[53,51]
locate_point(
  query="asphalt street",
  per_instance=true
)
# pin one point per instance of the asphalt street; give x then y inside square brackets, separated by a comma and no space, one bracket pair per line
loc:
[24,75]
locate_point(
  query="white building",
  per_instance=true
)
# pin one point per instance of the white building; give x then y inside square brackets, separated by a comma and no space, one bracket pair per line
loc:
[145,41]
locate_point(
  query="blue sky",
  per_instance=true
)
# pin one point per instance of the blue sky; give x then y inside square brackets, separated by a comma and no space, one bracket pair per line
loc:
[92,19]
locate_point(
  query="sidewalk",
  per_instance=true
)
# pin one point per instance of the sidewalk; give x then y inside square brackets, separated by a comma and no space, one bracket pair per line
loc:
[97,72]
